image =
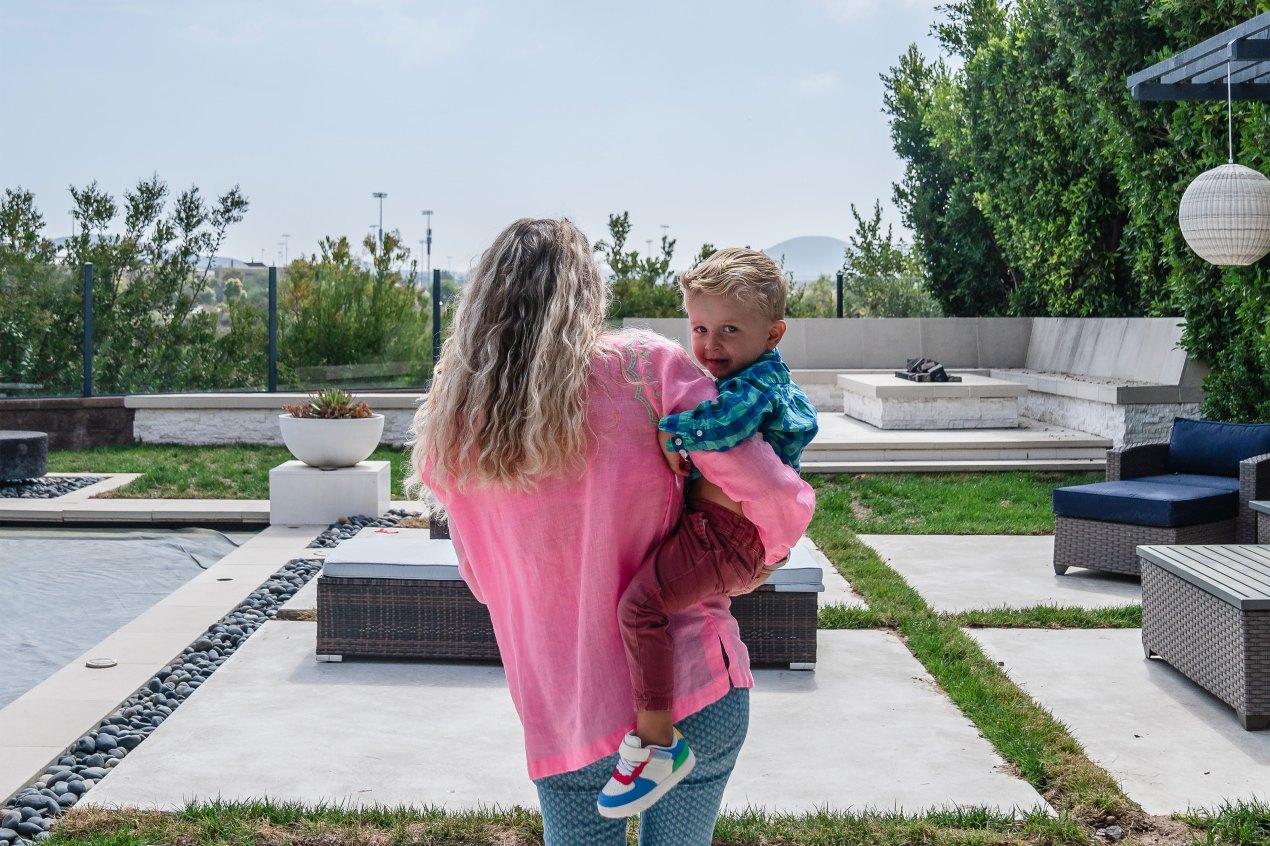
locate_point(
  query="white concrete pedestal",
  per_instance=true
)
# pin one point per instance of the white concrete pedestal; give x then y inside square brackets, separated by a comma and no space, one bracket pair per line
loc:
[304,495]
[888,402]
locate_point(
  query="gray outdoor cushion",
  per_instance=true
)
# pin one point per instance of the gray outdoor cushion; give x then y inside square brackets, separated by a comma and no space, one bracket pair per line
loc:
[393,554]
[411,554]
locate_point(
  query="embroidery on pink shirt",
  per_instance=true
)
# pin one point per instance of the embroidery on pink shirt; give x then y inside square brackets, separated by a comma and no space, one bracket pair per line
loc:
[638,371]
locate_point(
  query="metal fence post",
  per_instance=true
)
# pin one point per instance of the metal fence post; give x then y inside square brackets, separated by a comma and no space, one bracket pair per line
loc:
[88,329]
[273,329]
[839,293]
[436,318]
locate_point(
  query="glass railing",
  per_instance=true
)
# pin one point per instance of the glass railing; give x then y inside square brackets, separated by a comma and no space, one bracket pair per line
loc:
[219,330]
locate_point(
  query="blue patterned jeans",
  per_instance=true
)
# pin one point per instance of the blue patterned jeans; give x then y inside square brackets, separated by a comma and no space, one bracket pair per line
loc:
[683,817]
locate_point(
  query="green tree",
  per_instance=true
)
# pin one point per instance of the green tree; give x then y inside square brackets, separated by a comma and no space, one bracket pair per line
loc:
[965,270]
[335,310]
[642,286]
[40,326]
[150,333]
[818,298]
[881,276]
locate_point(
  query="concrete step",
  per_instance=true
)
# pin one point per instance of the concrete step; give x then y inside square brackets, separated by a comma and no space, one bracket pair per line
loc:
[972,466]
[855,453]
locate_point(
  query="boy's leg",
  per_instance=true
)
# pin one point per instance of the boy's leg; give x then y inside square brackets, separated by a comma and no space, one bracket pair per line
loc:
[568,808]
[686,815]
[681,573]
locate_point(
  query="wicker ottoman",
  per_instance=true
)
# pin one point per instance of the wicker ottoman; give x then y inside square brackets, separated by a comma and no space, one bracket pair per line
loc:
[1206,610]
[399,595]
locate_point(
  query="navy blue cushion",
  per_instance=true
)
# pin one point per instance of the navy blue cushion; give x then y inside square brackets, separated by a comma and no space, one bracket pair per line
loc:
[1210,447]
[1146,503]
[1194,480]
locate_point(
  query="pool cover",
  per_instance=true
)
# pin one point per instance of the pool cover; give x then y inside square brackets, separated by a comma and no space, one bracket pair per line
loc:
[64,590]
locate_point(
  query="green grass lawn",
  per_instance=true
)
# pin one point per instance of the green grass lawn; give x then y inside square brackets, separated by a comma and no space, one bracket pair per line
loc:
[189,472]
[944,503]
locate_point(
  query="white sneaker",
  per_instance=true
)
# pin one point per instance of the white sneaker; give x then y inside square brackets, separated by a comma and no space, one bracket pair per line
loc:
[643,775]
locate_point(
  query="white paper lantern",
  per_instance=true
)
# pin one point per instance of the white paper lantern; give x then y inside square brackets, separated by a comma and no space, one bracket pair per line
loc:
[1225,215]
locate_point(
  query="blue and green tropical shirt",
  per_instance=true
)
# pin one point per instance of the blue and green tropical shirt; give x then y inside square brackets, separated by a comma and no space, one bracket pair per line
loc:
[759,399]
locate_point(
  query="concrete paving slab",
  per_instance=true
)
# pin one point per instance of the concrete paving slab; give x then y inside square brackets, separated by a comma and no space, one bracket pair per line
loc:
[19,763]
[304,601]
[385,732]
[884,737]
[1168,742]
[956,573]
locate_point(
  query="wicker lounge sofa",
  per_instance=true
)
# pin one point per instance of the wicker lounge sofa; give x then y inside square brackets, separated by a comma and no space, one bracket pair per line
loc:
[1194,489]
[399,595]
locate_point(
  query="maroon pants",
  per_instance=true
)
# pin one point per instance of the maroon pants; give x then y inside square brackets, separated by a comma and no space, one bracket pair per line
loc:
[712,551]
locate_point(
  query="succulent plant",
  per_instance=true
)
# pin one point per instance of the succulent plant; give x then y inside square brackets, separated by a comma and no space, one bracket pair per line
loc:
[330,404]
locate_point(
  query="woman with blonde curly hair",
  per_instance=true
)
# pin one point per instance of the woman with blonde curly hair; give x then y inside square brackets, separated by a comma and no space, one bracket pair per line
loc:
[539,437]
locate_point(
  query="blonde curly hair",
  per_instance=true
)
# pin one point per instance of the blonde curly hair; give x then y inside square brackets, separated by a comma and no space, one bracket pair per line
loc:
[508,398]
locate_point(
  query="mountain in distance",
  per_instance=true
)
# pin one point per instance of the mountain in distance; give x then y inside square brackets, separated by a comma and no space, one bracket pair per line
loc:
[809,256]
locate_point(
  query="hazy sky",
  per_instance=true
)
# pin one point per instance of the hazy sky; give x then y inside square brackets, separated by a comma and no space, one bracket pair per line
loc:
[738,122]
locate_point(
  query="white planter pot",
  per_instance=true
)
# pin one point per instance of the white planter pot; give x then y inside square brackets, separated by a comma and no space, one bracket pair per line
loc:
[328,444]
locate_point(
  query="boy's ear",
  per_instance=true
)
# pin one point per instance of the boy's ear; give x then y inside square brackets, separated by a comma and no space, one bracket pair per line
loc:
[775,334]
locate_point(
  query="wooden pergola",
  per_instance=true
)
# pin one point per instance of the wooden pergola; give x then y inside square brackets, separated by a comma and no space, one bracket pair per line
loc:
[1199,73]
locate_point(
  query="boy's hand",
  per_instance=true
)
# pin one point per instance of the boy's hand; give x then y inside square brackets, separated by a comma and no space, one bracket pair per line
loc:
[678,462]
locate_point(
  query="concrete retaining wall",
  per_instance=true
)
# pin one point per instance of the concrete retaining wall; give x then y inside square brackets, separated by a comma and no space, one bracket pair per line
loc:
[885,343]
[246,418]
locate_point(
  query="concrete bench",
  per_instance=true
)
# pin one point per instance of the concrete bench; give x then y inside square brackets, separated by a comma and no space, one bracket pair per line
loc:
[1206,611]
[1122,378]
[398,593]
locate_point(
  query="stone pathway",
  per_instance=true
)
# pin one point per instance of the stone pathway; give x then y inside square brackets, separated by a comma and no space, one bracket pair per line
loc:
[1170,744]
[956,573]
[868,728]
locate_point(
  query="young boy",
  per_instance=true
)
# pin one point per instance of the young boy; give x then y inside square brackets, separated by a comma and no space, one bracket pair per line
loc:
[736,306]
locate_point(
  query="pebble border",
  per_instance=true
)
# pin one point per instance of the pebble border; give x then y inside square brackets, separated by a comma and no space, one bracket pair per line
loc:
[31,814]
[46,487]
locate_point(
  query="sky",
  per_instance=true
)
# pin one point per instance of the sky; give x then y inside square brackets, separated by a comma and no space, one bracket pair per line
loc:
[735,123]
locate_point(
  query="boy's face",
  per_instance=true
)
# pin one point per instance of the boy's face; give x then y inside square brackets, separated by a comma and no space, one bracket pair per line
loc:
[729,335]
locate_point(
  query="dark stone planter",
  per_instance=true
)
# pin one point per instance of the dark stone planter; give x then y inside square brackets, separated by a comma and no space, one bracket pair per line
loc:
[23,455]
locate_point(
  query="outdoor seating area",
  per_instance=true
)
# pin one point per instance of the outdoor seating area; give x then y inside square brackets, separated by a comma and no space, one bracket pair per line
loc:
[1193,489]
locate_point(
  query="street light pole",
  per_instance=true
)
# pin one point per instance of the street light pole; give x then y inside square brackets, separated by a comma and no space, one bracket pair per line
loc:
[286,253]
[427,213]
[380,195]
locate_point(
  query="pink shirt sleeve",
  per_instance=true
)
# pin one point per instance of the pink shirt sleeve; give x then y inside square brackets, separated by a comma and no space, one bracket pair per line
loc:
[772,495]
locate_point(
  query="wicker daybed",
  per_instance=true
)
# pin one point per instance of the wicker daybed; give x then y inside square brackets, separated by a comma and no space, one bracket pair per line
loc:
[387,608]
[1194,489]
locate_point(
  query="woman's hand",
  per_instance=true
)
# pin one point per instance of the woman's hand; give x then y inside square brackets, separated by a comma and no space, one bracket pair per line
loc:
[676,460]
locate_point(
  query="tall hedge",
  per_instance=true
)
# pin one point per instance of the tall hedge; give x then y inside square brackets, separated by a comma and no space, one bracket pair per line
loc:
[1036,186]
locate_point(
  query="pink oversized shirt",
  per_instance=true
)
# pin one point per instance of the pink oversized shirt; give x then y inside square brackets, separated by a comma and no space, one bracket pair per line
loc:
[552,563]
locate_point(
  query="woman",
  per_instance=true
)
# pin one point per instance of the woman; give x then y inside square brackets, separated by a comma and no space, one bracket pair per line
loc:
[539,438]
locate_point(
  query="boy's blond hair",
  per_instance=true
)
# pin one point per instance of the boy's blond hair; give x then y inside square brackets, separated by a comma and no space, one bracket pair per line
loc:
[747,275]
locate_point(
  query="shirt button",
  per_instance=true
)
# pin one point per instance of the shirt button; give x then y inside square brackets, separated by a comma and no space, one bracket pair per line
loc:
[679,441]
[700,433]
